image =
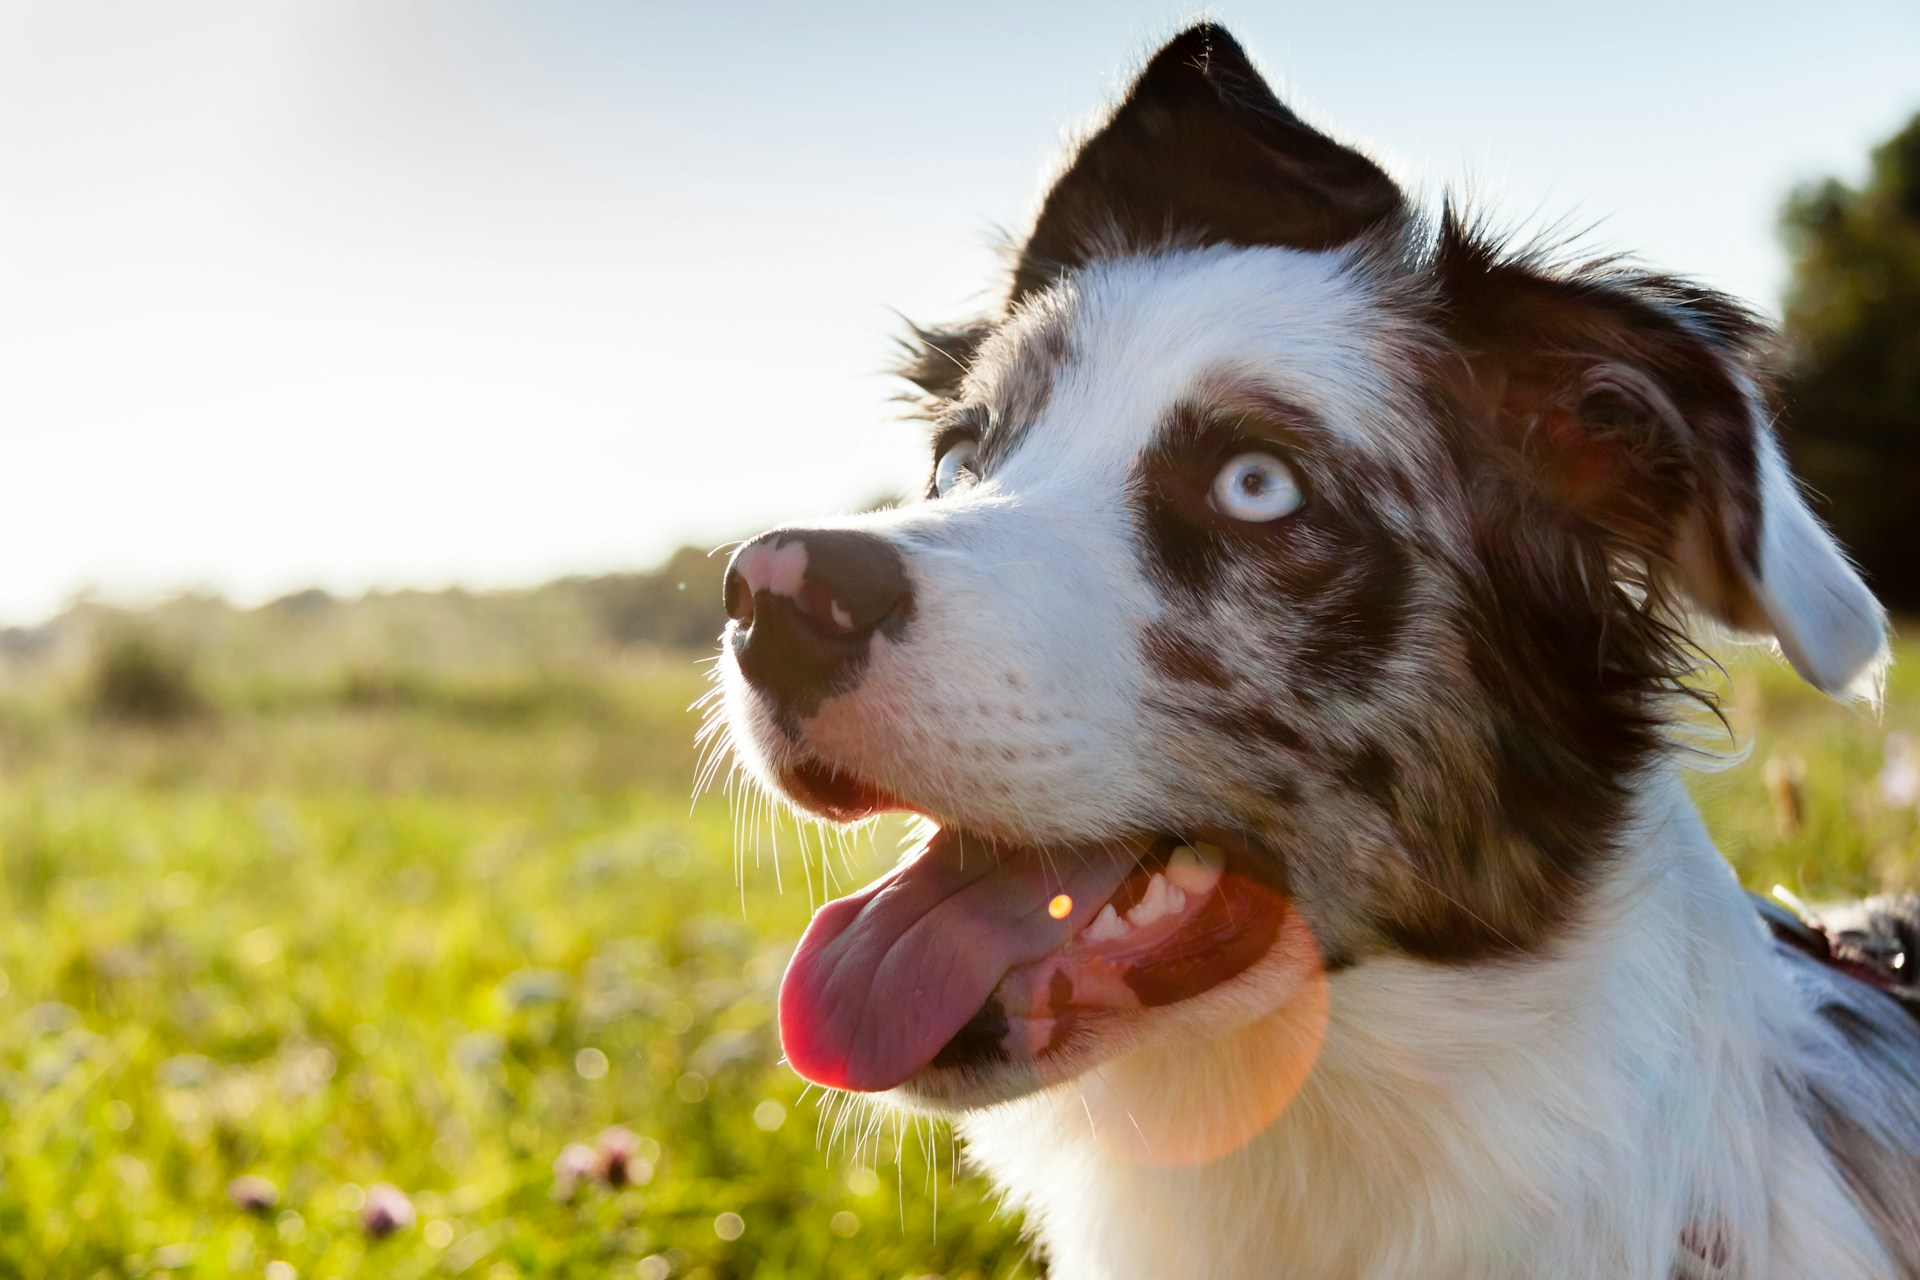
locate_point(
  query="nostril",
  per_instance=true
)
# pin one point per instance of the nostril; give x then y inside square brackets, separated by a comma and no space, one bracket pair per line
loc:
[739,598]
[817,602]
[852,582]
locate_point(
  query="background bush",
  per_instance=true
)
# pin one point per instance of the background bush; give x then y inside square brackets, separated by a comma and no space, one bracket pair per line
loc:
[1852,391]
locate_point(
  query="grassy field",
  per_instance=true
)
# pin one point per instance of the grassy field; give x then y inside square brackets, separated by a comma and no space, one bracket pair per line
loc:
[465,941]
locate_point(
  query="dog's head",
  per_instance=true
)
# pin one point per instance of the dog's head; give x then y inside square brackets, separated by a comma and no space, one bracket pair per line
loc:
[1297,580]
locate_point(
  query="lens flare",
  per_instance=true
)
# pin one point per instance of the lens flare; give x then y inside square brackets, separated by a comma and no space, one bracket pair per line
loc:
[1228,1097]
[1061,907]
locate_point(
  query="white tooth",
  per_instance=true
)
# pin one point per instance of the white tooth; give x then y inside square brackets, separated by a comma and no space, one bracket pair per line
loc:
[1158,902]
[1105,926]
[841,618]
[1196,867]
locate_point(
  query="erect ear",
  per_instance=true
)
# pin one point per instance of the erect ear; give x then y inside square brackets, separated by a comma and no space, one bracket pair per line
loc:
[1637,406]
[1201,152]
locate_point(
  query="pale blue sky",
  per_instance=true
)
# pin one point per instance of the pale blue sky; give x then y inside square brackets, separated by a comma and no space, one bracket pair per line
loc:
[355,292]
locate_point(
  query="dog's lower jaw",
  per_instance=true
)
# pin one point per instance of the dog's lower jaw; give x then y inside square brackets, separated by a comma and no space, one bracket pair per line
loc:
[1627,1106]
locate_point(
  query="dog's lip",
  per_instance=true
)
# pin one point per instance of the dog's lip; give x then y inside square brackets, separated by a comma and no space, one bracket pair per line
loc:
[836,794]
[886,981]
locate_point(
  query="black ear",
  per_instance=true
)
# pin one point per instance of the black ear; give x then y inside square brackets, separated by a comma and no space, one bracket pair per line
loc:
[1632,410]
[1201,152]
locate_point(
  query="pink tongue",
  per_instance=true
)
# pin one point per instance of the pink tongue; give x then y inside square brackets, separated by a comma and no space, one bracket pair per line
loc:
[885,977]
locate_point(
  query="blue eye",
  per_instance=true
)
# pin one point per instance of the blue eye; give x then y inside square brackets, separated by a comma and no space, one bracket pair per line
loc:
[954,471]
[1256,488]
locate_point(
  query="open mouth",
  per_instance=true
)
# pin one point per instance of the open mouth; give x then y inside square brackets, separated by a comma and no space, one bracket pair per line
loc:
[977,951]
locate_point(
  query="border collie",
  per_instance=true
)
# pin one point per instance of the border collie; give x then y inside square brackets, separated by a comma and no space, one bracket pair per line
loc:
[1290,660]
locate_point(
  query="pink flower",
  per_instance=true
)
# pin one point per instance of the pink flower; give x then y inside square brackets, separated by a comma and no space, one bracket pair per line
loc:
[576,1163]
[618,1148]
[252,1193]
[386,1211]
[1900,776]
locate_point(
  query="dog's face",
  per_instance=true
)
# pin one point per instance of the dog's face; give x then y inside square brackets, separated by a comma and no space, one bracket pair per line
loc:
[1295,583]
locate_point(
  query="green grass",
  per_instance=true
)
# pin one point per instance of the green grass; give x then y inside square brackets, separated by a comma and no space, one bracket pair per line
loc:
[430,944]
[430,933]
[1849,842]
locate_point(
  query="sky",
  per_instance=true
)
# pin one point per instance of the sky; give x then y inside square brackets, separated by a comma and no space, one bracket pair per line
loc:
[358,293]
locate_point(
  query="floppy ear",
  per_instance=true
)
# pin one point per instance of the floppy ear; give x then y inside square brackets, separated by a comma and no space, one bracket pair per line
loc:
[1805,593]
[1201,152]
[1635,405]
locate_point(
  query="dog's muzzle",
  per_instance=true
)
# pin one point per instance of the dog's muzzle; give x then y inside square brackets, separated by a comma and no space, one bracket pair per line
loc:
[806,604]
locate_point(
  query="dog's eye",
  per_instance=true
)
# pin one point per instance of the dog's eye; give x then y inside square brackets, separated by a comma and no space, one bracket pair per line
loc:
[954,470]
[1256,487]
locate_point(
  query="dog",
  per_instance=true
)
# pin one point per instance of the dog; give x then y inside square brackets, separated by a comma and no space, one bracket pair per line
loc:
[1292,659]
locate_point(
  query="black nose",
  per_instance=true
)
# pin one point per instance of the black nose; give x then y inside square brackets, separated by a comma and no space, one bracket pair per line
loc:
[806,604]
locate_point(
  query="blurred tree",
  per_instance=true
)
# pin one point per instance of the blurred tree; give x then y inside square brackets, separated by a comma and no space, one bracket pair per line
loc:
[1853,383]
[137,676]
[676,605]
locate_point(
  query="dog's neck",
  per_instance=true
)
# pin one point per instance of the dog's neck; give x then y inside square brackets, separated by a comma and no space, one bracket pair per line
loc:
[1615,1108]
